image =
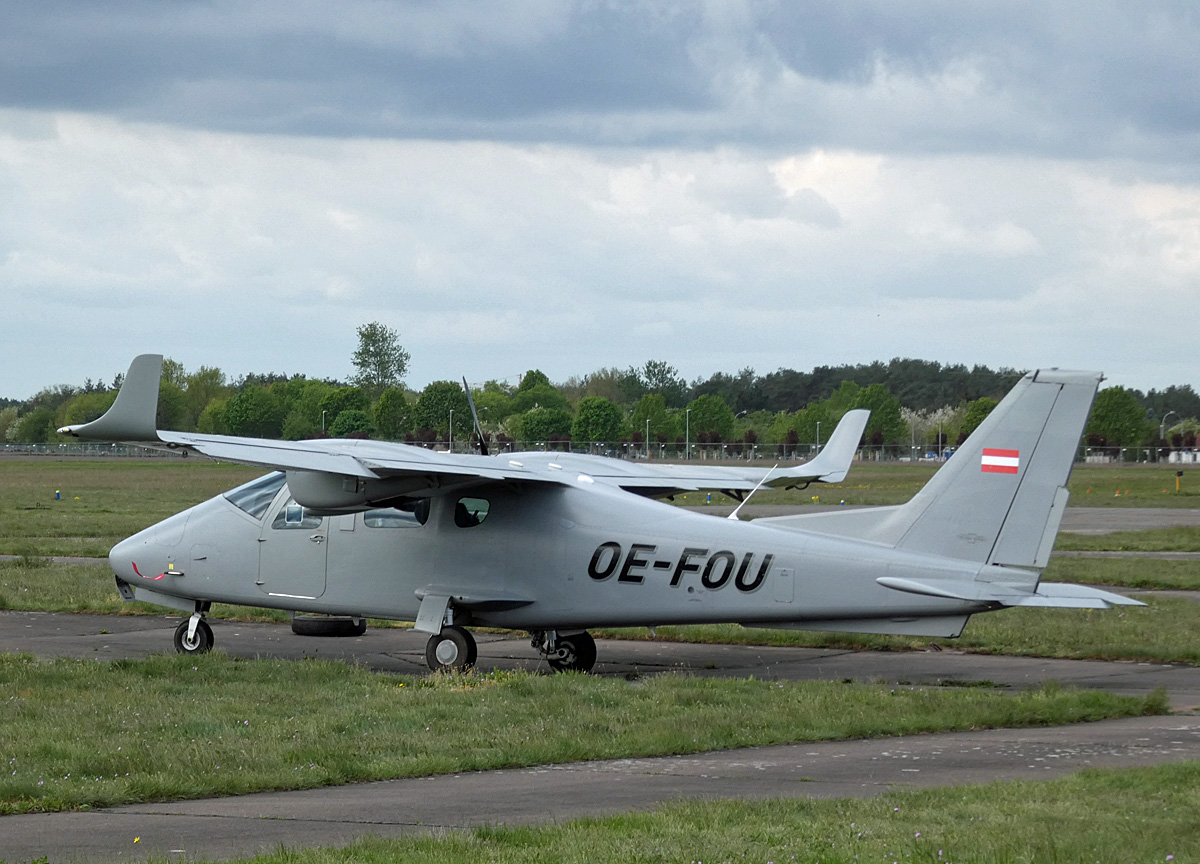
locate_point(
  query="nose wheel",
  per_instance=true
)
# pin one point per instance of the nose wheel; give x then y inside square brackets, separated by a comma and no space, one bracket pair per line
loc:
[193,636]
[451,650]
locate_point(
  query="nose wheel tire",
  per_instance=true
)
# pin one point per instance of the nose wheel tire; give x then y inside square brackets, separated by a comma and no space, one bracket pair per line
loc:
[451,650]
[575,653]
[201,643]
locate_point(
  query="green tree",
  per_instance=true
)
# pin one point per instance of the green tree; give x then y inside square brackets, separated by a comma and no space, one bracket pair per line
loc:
[393,415]
[434,405]
[84,408]
[1119,418]
[541,424]
[8,417]
[493,405]
[653,408]
[842,399]
[212,419]
[35,427]
[172,410]
[597,420]
[885,425]
[202,387]
[255,412]
[380,360]
[977,412]
[339,399]
[352,421]
[710,414]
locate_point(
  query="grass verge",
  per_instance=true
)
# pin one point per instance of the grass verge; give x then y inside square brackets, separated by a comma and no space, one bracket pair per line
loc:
[1181,538]
[1142,814]
[1126,572]
[79,733]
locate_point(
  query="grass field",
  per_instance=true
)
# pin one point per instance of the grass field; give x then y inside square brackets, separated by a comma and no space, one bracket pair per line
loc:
[84,733]
[1143,815]
[100,502]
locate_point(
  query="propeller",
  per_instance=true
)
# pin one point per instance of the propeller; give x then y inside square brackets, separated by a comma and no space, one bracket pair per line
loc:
[483,451]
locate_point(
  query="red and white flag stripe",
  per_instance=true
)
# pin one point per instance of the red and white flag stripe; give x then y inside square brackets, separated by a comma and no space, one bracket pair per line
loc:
[1001,461]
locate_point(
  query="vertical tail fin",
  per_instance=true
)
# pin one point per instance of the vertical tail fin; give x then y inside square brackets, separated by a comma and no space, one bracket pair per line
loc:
[1000,497]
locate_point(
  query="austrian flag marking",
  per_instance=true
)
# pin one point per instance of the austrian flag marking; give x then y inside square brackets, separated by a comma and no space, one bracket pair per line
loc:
[1001,461]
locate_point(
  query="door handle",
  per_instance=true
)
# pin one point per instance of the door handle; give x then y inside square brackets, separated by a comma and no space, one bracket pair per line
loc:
[317,538]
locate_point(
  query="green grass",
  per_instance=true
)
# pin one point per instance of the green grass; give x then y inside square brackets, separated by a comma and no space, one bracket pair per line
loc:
[1180,538]
[79,733]
[1166,630]
[101,502]
[1126,572]
[1142,814]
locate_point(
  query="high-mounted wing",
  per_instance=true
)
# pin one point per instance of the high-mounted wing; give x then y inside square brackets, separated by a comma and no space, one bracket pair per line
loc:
[658,479]
[336,475]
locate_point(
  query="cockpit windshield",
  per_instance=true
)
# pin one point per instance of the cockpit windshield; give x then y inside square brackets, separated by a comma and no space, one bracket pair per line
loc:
[256,496]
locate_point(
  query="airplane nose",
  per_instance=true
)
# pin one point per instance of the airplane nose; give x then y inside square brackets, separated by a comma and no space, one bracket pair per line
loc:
[120,558]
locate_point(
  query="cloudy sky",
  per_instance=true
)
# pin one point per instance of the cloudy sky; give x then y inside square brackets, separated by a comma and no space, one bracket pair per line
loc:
[573,185]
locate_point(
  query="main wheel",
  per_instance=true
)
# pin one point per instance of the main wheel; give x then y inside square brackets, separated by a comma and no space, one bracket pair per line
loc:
[452,649]
[576,653]
[328,625]
[201,643]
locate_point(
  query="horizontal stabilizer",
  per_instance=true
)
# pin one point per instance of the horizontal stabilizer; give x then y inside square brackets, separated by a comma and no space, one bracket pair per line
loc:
[1047,594]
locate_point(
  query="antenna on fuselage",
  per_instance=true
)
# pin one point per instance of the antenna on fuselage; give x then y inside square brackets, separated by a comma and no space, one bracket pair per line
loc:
[734,515]
[483,451]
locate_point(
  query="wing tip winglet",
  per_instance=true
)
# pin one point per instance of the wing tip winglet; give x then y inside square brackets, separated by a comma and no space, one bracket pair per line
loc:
[132,415]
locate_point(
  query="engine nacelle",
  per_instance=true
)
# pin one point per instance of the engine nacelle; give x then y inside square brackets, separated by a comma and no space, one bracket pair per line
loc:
[327,494]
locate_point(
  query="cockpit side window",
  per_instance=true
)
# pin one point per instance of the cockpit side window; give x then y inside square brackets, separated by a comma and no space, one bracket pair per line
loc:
[256,496]
[292,515]
[469,512]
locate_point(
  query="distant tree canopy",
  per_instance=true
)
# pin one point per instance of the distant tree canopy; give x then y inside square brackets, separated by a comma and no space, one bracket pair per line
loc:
[911,401]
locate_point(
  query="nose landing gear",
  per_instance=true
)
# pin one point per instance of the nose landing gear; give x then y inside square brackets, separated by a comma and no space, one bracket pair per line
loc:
[193,636]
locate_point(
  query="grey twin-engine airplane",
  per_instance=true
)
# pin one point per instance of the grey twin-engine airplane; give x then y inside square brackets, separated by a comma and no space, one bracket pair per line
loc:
[556,543]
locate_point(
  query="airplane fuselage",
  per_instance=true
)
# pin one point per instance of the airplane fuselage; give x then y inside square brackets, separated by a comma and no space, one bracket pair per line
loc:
[534,557]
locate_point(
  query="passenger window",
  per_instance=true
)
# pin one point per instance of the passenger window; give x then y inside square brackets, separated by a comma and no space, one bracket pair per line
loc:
[469,512]
[292,515]
[256,496]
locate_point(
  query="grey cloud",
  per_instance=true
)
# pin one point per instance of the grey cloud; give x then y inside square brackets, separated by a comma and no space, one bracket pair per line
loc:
[1055,79]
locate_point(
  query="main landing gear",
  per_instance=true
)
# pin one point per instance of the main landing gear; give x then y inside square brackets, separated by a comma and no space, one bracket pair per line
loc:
[574,652]
[451,650]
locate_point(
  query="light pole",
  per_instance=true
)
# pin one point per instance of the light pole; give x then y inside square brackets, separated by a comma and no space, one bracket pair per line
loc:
[451,430]
[687,434]
[322,421]
[647,437]
[818,436]
[1162,430]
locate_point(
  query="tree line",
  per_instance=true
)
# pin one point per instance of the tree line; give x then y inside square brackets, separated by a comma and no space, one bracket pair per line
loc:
[913,403]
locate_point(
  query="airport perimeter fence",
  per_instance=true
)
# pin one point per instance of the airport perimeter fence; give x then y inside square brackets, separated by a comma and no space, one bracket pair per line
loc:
[657,451]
